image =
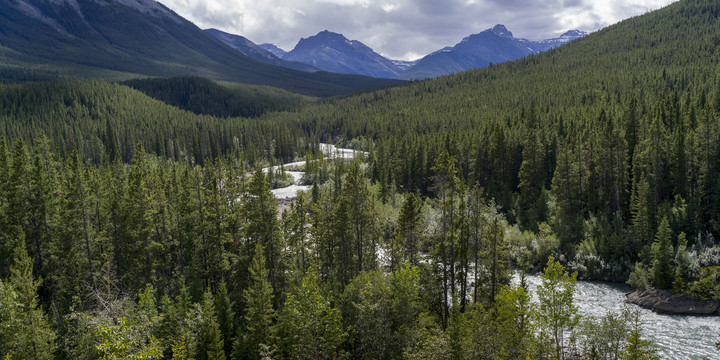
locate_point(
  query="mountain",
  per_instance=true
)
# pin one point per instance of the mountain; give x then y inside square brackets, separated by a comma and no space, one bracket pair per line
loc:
[120,39]
[545,45]
[403,65]
[334,52]
[495,45]
[253,51]
[274,49]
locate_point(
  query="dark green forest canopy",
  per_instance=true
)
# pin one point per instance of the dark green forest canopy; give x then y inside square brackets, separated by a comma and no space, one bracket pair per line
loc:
[202,96]
[154,237]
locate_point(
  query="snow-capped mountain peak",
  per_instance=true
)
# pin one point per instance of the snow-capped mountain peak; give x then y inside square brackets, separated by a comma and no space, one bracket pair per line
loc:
[574,34]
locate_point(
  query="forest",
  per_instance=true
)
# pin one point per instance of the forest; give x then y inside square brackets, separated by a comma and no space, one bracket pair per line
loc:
[136,220]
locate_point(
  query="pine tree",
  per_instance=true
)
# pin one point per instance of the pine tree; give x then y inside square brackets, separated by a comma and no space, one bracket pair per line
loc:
[447,185]
[409,229]
[532,184]
[226,316]
[682,264]
[636,347]
[259,312]
[210,340]
[662,254]
[262,227]
[642,215]
[25,332]
[356,193]
[15,201]
[495,257]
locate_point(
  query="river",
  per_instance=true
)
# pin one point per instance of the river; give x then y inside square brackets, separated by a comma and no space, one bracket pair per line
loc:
[676,336]
[290,192]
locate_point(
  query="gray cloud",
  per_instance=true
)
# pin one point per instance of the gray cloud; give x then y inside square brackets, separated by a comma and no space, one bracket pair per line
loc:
[404,28]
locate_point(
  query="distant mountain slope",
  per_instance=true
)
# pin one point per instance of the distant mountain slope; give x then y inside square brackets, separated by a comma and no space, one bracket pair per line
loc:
[334,52]
[253,51]
[113,38]
[496,45]
[202,96]
[274,49]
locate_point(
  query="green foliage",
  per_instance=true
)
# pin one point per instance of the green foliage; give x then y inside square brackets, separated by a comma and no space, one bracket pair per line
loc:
[515,329]
[380,311]
[209,339]
[682,264]
[25,332]
[662,252]
[586,147]
[202,96]
[309,326]
[430,344]
[639,278]
[556,314]
[708,285]
[605,338]
[116,344]
[259,312]
[636,347]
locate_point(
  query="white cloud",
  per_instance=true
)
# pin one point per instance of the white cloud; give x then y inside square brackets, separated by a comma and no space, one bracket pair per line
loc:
[404,29]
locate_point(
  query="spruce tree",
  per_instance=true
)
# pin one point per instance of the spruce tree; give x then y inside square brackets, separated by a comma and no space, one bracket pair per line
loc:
[262,227]
[662,257]
[637,348]
[259,312]
[532,184]
[210,340]
[409,229]
[495,257]
[25,332]
[225,316]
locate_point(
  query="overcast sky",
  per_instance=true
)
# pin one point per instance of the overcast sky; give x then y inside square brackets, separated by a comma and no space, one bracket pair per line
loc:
[404,29]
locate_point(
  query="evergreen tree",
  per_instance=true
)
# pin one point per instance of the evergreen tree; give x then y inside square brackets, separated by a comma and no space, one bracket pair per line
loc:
[357,195]
[446,187]
[662,255]
[259,312]
[531,211]
[225,316]
[642,215]
[262,227]
[25,332]
[495,258]
[682,264]
[409,229]
[636,347]
[210,339]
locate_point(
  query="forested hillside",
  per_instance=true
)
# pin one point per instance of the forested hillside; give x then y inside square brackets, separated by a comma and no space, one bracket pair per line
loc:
[130,228]
[107,120]
[202,96]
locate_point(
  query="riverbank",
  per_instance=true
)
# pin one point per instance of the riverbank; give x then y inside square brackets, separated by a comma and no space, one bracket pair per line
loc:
[683,337]
[665,302]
